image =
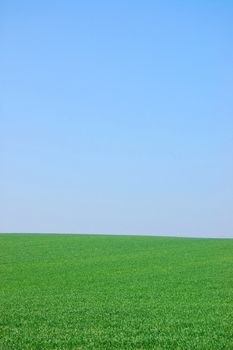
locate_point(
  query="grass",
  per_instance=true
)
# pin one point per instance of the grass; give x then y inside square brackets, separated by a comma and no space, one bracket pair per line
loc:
[115,292]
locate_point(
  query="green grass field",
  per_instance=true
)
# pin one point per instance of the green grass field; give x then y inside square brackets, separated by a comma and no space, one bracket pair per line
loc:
[115,292]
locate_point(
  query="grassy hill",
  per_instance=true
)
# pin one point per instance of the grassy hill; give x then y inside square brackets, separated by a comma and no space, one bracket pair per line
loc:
[115,292]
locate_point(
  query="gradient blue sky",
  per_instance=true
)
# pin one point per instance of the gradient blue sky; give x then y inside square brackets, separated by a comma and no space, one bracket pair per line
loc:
[116,117]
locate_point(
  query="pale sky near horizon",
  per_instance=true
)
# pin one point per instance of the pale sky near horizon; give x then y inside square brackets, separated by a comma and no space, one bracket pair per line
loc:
[116,117]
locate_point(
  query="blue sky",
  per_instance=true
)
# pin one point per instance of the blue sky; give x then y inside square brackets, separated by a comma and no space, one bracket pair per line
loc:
[116,117]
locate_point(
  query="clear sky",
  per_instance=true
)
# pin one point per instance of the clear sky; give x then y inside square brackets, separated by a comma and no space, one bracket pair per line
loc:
[116,117]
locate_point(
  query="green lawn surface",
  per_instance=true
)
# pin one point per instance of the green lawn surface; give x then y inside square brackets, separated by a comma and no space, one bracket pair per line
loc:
[115,292]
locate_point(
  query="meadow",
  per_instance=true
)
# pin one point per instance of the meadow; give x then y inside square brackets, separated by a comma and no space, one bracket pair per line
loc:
[115,292]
